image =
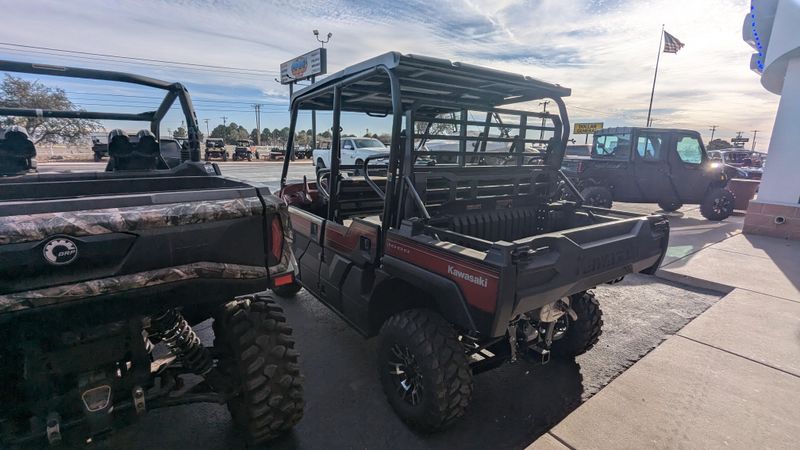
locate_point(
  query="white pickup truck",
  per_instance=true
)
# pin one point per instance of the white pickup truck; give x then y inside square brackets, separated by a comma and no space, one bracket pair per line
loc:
[354,152]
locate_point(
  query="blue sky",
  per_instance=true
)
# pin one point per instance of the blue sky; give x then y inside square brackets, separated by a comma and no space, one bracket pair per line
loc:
[603,50]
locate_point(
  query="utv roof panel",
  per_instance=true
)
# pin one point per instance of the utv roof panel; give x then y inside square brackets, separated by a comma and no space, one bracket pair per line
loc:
[424,80]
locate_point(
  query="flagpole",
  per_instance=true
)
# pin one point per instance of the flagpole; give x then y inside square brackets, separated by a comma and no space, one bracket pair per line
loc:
[655,75]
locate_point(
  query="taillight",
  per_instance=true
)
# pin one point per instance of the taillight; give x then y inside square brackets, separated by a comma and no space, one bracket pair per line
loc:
[277,238]
[580,167]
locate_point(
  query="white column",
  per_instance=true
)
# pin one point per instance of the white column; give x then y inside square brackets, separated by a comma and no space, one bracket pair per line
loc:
[781,182]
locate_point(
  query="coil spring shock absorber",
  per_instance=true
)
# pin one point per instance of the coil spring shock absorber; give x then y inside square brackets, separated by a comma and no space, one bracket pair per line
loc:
[183,342]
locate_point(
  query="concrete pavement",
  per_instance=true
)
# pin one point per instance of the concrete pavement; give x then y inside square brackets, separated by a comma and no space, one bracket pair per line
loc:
[729,379]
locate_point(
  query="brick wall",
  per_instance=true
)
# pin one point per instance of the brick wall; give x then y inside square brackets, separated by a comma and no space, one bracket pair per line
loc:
[760,219]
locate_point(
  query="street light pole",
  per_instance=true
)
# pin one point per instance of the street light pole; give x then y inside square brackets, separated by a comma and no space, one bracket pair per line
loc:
[313,80]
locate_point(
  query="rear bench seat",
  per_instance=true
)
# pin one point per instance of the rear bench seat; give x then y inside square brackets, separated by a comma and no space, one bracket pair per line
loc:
[503,224]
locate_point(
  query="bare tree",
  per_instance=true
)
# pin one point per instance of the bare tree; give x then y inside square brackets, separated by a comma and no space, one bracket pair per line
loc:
[18,93]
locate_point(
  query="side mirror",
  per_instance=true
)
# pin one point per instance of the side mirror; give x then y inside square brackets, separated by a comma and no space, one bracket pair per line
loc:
[348,147]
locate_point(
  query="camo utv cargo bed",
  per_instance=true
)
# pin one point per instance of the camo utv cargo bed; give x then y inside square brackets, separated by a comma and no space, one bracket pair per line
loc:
[76,238]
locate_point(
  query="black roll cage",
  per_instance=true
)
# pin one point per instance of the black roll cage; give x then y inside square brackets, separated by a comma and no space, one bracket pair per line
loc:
[401,149]
[174,91]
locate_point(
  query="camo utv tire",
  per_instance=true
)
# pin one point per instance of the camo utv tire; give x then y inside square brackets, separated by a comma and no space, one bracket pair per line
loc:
[583,333]
[424,369]
[258,355]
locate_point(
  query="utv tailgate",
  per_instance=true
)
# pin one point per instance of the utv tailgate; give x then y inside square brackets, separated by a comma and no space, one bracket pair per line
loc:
[555,265]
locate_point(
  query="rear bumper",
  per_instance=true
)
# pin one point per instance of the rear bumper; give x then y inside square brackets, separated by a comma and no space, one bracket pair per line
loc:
[565,263]
[237,279]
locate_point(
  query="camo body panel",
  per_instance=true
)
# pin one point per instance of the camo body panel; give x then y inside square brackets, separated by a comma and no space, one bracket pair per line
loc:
[112,285]
[35,227]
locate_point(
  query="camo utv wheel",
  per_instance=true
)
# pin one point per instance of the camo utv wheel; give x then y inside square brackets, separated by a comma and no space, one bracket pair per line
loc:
[597,196]
[718,204]
[424,369]
[584,332]
[258,356]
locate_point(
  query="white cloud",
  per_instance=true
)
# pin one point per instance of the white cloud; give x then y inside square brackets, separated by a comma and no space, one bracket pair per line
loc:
[603,50]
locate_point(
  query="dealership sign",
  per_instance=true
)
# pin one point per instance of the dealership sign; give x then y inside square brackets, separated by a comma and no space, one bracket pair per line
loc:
[304,66]
[587,128]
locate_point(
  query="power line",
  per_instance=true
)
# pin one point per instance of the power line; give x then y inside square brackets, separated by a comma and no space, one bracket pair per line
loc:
[101,94]
[135,58]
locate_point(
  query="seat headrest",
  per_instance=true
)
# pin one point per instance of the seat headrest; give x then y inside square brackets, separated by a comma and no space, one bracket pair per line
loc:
[16,151]
[119,144]
[126,155]
[147,145]
[15,143]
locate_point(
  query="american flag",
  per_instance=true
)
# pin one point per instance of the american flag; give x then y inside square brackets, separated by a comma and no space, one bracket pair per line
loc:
[671,43]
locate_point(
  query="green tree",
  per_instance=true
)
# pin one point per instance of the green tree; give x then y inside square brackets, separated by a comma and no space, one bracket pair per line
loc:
[266,136]
[718,144]
[218,132]
[18,93]
[302,138]
[180,133]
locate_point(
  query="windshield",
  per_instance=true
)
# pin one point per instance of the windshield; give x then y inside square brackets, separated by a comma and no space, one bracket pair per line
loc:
[612,146]
[368,143]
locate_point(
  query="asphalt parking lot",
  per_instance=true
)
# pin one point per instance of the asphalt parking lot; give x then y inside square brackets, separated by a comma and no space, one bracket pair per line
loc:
[511,407]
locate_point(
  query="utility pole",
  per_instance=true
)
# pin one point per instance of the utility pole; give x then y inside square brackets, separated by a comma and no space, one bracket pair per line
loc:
[257,108]
[753,147]
[544,111]
[207,133]
[713,129]
[224,128]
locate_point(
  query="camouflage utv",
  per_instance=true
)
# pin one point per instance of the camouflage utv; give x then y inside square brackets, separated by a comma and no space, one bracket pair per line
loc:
[104,274]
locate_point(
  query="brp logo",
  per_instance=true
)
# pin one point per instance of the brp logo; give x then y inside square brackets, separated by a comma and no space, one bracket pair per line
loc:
[60,251]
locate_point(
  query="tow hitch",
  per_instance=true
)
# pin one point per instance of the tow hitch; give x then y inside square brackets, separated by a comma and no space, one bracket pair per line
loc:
[534,333]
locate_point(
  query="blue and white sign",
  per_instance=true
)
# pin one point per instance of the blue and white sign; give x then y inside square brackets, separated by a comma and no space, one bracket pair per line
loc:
[305,66]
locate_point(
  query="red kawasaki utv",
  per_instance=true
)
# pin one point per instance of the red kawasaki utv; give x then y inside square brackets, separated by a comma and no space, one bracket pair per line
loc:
[461,265]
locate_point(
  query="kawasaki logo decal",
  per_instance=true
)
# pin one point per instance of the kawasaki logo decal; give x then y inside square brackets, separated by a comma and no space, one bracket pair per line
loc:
[474,279]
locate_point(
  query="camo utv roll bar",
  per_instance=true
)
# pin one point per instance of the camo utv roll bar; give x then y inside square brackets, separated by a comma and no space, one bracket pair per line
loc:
[174,91]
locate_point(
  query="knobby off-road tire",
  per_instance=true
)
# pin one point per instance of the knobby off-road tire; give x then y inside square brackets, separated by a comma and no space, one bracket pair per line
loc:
[669,206]
[718,204]
[583,333]
[287,290]
[435,366]
[259,357]
[597,196]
